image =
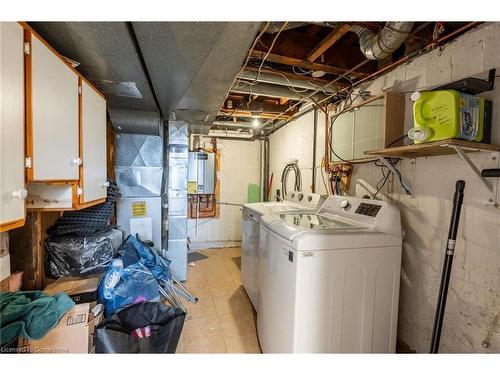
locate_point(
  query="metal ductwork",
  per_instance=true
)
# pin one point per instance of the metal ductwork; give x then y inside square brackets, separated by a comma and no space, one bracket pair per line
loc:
[247,134]
[280,80]
[273,91]
[234,125]
[134,121]
[389,39]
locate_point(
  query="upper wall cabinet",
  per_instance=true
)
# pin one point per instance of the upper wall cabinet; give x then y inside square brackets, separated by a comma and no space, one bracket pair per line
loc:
[93,178]
[52,114]
[371,125]
[12,188]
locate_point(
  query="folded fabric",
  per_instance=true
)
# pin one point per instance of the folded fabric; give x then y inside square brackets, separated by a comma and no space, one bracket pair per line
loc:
[30,314]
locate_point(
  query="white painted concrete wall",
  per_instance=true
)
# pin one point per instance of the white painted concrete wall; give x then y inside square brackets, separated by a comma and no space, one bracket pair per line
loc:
[472,321]
[240,166]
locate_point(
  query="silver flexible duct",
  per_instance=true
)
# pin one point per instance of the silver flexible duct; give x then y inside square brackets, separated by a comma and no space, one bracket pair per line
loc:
[377,46]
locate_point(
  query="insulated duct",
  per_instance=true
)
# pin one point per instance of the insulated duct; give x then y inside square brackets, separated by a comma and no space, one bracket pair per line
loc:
[390,38]
[273,91]
[280,80]
[134,121]
[248,134]
[234,125]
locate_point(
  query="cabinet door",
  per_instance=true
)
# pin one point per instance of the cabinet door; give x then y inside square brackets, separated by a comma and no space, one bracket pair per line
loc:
[93,134]
[369,128]
[53,117]
[11,126]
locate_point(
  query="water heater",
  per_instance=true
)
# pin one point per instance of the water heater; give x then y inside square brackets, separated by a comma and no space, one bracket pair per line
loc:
[201,173]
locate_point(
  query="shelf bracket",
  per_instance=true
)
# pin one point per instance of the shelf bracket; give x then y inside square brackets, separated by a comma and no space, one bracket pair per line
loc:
[477,172]
[404,185]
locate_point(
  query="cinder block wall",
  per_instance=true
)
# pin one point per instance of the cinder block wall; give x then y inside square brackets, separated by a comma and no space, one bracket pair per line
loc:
[472,321]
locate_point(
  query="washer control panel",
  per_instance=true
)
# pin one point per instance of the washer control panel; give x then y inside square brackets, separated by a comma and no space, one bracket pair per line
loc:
[310,200]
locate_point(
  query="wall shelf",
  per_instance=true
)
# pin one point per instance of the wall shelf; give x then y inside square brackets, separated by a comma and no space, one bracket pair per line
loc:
[445,147]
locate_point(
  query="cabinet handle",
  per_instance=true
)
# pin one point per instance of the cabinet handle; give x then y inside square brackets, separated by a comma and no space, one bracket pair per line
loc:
[20,193]
[76,161]
[106,184]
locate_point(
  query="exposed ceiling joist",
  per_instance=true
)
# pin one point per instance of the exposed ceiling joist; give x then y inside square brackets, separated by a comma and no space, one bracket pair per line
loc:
[327,42]
[248,114]
[293,61]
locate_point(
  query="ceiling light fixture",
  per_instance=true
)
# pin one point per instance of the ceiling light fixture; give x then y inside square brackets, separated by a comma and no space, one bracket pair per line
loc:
[255,122]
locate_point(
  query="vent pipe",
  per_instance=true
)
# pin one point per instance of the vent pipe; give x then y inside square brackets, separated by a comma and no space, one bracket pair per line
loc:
[390,38]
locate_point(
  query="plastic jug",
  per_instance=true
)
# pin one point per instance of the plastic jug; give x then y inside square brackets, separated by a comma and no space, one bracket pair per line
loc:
[446,114]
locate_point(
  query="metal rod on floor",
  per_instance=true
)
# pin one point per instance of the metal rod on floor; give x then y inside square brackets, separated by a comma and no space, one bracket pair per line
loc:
[448,261]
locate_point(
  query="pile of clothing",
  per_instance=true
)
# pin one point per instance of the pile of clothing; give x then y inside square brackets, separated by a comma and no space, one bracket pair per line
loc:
[30,314]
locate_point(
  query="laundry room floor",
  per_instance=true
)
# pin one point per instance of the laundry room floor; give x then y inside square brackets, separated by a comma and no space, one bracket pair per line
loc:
[223,320]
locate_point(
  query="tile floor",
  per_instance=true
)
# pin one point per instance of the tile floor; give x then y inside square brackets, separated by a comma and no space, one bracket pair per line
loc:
[223,320]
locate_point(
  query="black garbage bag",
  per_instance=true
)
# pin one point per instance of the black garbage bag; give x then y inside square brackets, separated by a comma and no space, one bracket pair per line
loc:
[116,334]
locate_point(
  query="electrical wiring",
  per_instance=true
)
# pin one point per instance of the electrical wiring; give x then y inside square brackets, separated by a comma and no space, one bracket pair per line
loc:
[270,49]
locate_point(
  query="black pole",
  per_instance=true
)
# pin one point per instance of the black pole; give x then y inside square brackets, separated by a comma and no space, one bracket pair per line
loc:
[448,261]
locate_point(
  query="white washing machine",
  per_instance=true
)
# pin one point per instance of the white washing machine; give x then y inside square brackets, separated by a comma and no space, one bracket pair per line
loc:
[251,214]
[329,282]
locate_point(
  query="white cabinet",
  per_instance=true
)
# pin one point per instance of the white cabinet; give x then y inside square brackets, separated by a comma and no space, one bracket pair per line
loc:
[93,140]
[371,125]
[12,191]
[52,92]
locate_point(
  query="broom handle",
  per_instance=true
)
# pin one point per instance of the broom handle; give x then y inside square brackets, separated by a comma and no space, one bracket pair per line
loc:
[448,261]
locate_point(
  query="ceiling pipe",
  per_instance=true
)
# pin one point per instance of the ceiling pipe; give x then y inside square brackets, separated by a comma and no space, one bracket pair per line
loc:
[235,134]
[389,39]
[279,80]
[270,90]
[234,125]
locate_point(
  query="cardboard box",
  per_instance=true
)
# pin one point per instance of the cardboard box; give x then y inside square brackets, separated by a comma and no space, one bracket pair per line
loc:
[73,334]
[12,283]
[81,290]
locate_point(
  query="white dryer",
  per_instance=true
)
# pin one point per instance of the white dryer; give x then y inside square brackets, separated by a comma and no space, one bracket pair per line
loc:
[329,282]
[251,214]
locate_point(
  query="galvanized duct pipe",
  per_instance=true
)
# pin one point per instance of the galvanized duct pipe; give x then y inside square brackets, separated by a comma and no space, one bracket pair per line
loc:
[248,134]
[234,125]
[134,121]
[273,91]
[377,46]
[280,80]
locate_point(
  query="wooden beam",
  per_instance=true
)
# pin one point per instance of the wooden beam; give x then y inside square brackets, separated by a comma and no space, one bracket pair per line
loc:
[327,42]
[293,61]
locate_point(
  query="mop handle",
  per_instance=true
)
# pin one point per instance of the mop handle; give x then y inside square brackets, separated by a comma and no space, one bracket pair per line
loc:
[448,261]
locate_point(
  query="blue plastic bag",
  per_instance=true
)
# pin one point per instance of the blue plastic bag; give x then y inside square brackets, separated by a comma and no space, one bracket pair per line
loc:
[121,287]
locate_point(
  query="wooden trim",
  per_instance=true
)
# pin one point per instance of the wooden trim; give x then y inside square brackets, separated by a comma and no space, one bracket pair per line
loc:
[4,227]
[28,108]
[54,182]
[91,203]
[286,60]
[81,199]
[29,29]
[327,42]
